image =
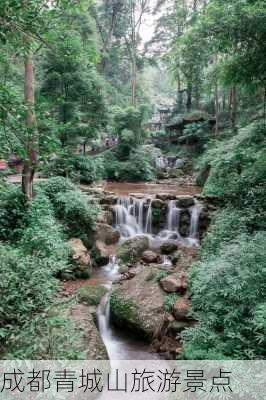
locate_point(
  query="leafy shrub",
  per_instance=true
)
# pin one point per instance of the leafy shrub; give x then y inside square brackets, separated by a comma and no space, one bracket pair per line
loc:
[77,211]
[227,224]
[228,301]
[139,167]
[51,335]
[12,212]
[86,169]
[27,286]
[43,236]
[112,166]
[169,301]
[79,168]
[56,185]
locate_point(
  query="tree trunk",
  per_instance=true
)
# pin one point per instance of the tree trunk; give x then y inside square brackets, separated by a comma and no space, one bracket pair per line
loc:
[134,81]
[189,97]
[217,109]
[30,163]
[233,108]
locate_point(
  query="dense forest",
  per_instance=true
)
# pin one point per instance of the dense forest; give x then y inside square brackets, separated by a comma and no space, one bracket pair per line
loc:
[132,141]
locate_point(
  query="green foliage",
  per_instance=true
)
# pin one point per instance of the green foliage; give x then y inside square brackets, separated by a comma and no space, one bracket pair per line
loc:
[169,301]
[139,167]
[27,286]
[49,336]
[43,236]
[77,211]
[56,185]
[84,169]
[228,295]
[12,212]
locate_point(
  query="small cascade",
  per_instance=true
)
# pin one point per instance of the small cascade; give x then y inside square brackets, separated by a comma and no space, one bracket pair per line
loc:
[133,216]
[103,316]
[148,226]
[131,219]
[173,217]
[167,263]
[194,221]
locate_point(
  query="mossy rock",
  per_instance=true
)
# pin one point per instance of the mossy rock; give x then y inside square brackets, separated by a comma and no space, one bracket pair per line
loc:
[137,304]
[131,250]
[124,313]
[91,295]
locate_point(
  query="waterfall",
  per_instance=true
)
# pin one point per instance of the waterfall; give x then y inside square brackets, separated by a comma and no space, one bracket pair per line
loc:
[130,217]
[194,221]
[133,217]
[173,216]
[148,226]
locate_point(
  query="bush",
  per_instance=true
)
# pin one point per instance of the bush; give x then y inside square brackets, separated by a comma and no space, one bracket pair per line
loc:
[27,286]
[51,335]
[228,301]
[112,166]
[139,167]
[12,212]
[77,211]
[43,236]
[56,185]
[86,169]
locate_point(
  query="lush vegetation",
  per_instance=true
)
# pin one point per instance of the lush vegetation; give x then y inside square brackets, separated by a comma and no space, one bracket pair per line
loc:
[79,89]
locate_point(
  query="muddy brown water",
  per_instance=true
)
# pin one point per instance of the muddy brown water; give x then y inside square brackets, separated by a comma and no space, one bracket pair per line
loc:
[150,189]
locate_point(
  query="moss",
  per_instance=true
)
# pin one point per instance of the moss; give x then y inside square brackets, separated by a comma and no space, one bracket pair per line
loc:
[124,312]
[91,295]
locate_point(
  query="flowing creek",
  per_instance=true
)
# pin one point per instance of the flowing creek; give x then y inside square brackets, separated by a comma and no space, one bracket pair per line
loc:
[134,216]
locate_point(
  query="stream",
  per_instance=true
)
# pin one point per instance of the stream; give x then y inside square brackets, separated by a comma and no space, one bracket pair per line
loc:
[120,345]
[133,216]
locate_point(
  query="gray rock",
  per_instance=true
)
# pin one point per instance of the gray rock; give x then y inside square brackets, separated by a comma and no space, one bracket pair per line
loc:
[132,249]
[150,257]
[168,247]
[174,283]
[106,234]
[185,201]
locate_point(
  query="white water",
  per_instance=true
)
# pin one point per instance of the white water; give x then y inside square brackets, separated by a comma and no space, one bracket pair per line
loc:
[119,345]
[131,218]
[173,217]
[195,212]
[134,217]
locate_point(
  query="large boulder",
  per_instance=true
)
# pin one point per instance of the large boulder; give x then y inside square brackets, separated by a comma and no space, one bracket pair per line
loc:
[138,305]
[106,234]
[81,255]
[168,247]
[89,341]
[91,295]
[149,257]
[181,308]
[175,283]
[101,253]
[185,201]
[132,249]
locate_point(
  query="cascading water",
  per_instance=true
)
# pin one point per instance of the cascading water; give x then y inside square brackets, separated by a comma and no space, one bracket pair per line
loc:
[148,225]
[134,217]
[173,216]
[131,218]
[194,221]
